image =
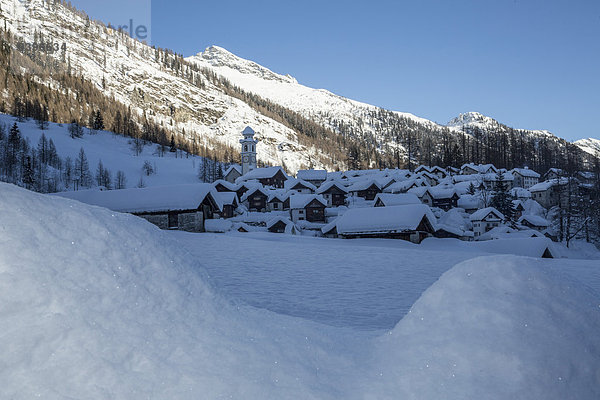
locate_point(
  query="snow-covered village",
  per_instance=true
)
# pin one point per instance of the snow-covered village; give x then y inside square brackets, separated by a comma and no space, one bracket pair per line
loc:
[199,226]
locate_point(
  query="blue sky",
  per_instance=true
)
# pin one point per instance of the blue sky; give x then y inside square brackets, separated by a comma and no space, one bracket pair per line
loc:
[528,63]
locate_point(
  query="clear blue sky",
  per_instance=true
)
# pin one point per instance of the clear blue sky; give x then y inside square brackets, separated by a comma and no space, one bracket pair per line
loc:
[531,64]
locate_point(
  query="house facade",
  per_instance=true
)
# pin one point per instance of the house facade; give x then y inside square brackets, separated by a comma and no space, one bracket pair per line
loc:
[485,220]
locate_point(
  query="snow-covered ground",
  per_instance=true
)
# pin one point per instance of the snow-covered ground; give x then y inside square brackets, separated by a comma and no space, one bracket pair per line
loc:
[96,304]
[115,152]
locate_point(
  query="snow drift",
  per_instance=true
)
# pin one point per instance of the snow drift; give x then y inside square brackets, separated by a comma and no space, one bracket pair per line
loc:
[96,304]
[500,327]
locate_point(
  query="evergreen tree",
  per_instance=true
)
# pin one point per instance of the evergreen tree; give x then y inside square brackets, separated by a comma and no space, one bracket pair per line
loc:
[172,146]
[501,200]
[75,130]
[98,121]
[28,179]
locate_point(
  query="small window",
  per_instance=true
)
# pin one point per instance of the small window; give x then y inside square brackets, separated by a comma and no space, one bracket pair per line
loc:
[301,211]
[245,147]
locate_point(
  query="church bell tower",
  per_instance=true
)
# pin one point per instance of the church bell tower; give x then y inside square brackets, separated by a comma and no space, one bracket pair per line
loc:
[248,150]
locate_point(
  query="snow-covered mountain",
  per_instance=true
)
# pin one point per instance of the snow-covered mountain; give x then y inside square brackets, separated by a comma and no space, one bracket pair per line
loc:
[589,145]
[135,75]
[474,119]
[186,96]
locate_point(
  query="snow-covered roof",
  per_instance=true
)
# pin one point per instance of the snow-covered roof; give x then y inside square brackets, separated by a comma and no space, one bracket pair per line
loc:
[252,191]
[384,219]
[233,167]
[534,220]
[329,184]
[150,199]
[217,225]
[278,195]
[479,215]
[403,186]
[228,185]
[299,200]
[228,198]
[441,191]
[469,201]
[292,182]
[520,193]
[261,173]
[525,172]
[277,219]
[312,174]
[493,177]
[363,185]
[481,168]
[419,191]
[329,227]
[399,199]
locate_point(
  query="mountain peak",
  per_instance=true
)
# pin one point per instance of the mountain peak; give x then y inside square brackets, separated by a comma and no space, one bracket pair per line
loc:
[219,57]
[471,118]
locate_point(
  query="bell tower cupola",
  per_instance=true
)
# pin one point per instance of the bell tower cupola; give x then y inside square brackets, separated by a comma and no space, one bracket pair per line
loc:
[248,150]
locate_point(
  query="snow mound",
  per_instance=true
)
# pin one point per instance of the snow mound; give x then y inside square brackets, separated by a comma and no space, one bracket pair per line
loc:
[499,327]
[96,304]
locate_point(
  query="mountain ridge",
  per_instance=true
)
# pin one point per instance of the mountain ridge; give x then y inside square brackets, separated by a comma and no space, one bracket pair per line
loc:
[210,97]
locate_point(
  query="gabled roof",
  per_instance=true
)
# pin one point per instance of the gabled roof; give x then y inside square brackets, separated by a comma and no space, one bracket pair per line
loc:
[480,215]
[393,219]
[228,185]
[233,167]
[252,191]
[400,199]
[298,200]
[403,186]
[543,186]
[480,168]
[525,172]
[149,199]
[275,220]
[534,220]
[363,185]
[329,184]
[330,228]
[228,198]
[293,182]
[312,174]
[261,173]
[442,192]
[277,195]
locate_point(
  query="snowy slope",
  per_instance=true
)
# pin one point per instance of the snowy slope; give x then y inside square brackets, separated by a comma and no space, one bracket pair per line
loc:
[95,304]
[477,120]
[590,145]
[317,104]
[115,153]
[134,77]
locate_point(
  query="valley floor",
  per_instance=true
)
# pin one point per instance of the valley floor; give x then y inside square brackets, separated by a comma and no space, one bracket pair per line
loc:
[367,284]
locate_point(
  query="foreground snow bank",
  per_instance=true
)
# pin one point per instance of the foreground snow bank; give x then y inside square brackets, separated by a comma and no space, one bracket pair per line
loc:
[95,304]
[496,328]
[100,305]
